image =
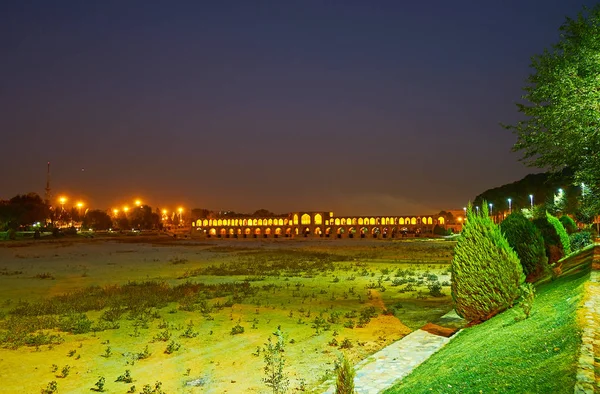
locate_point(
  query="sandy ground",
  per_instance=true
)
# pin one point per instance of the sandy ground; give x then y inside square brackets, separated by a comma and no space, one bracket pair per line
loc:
[34,270]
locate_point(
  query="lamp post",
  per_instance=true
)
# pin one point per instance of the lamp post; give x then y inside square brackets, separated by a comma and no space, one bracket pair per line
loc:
[62,201]
[509,206]
[491,211]
[477,209]
[79,206]
[531,199]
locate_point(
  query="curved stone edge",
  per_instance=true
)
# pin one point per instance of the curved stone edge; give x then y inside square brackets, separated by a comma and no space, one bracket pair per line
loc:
[585,378]
[329,386]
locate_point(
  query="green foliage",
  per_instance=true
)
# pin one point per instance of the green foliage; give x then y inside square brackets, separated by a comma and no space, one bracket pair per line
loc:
[97,219]
[562,95]
[275,377]
[528,294]
[527,242]
[65,371]
[99,384]
[440,230]
[147,389]
[237,329]
[581,239]
[172,347]
[552,244]
[346,344]
[562,233]
[568,223]
[51,388]
[345,373]
[486,272]
[126,378]
[435,289]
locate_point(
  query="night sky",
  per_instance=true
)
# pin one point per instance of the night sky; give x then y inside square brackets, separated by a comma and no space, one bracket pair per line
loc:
[359,107]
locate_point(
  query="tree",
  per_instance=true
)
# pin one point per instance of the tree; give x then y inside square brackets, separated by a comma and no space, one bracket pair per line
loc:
[552,242]
[562,110]
[527,242]
[97,220]
[486,272]
[22,210]
[275,377]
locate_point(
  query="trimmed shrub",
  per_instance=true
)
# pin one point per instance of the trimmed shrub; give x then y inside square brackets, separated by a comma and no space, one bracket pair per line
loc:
[527,242]
[562,233]
[486,272]
[569,224]
[581,239]
[554,248]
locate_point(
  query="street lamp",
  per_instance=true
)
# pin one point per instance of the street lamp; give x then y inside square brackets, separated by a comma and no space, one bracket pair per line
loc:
[509,206]
[531,199]
[79,206]
[477,209]
[491,209]
[138,203]
[62,201]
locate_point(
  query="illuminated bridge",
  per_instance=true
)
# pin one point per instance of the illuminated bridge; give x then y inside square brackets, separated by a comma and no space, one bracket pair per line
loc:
[315,224]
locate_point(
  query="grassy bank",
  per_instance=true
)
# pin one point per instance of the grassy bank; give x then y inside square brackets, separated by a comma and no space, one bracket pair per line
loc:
[537,355]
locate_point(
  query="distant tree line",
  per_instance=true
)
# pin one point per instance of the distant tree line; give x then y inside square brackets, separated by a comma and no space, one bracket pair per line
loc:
[575,199]
[25,211]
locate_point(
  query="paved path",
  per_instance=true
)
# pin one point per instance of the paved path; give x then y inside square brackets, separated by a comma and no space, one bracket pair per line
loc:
[382,369]
[588,368]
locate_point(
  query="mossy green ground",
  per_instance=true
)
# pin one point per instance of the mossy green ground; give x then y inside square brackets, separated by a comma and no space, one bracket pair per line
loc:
[216,360]
[505,355]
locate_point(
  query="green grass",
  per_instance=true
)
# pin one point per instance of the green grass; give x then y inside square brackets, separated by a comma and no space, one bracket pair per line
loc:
[537,355]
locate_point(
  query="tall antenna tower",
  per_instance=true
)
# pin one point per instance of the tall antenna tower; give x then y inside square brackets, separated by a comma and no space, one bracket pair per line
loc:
[48,195]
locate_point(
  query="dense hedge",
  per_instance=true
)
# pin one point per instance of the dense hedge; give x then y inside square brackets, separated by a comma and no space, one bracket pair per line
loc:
[562,233]
[552,244]
[528,243]
[581,239]
[569,224]
[486,272]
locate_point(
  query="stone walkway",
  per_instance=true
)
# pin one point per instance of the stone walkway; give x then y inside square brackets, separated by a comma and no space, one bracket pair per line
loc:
[588,369]
[381,370]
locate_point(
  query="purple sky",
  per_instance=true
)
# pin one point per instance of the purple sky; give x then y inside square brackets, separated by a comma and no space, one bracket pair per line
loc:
[359,107]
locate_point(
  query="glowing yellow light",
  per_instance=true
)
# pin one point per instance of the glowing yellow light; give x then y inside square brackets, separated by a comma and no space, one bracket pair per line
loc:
[164,211]
[115,211]
[126,208]
[180,210]
[62,200]
[138,203]
[79,204]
